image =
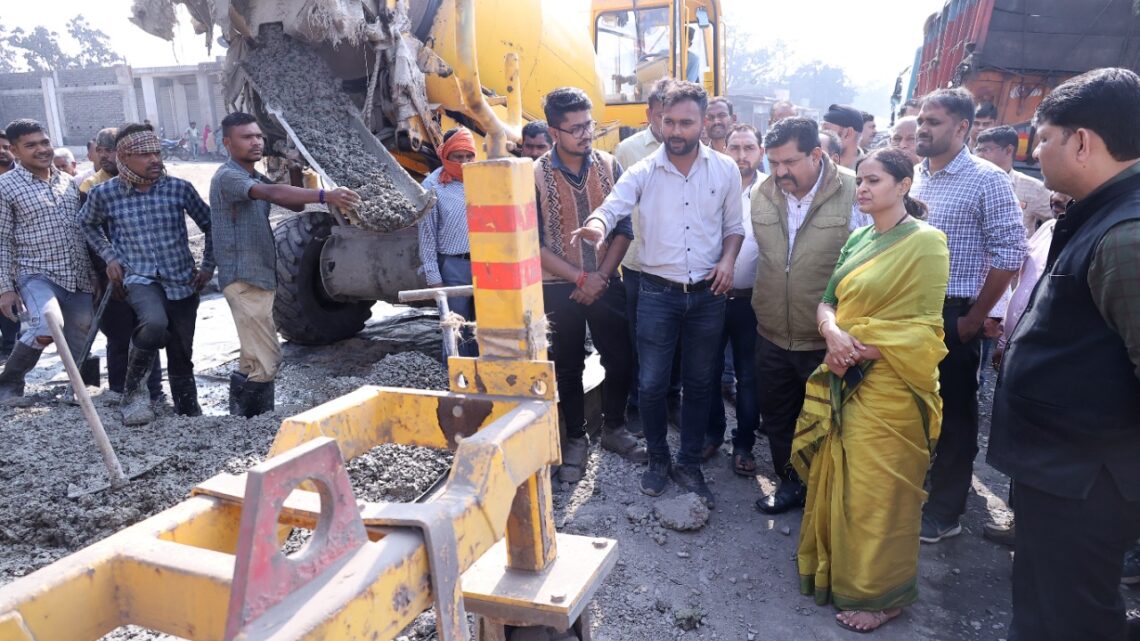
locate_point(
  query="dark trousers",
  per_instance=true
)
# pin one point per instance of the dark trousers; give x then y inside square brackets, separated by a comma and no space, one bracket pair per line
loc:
[455,271]
[608,327]
[740,336]
[118,324]
[782,376]
[631,279]
[9,330]
[663,314]
[953,465]
[1067,564]
[165,323]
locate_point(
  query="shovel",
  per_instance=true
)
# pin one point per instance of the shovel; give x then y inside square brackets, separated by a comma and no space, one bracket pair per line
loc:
[89,365]
[116,476]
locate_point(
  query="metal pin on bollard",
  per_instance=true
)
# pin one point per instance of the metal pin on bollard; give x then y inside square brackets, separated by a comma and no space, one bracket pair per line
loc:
[114,469]
[440,295]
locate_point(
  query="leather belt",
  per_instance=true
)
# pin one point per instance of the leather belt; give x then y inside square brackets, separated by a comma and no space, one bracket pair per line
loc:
[687,288]
[466,256]
[740,293]
[957,301]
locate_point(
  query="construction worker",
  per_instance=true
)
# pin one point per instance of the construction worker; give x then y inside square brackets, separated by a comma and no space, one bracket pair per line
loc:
[536,139]
[9,329]
[581,286]
[247,256]
[43,259]
[118,320]
[147,250]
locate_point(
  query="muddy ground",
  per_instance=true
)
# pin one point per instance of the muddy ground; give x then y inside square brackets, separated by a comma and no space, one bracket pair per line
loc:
[733,579]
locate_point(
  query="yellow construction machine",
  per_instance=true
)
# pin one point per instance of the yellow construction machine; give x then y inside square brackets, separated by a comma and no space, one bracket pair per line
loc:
[362,90]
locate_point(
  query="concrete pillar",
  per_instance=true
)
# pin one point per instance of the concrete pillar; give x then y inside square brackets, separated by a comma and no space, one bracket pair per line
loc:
[150,101]
[205,102]
[182,115]
[52,110]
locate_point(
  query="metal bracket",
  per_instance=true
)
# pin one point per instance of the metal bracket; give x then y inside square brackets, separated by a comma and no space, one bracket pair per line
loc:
[263,576]
[438,529]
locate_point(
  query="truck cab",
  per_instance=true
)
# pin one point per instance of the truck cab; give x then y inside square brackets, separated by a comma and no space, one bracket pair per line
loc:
[638,42]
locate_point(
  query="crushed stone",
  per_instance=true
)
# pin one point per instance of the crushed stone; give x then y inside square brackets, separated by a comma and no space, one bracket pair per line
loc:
[294,79]
[683,513]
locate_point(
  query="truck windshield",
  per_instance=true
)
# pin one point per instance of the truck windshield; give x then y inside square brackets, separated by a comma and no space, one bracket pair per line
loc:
[632,52]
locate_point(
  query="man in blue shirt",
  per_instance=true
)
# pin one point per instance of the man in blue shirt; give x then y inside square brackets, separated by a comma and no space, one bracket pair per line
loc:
[148,252]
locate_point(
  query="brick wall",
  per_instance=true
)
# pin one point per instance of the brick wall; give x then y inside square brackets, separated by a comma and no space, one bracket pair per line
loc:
[87,77]
[20,81]
[86,112]
[13,107]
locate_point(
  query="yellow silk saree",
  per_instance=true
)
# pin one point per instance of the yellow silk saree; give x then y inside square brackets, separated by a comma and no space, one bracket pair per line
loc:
[865,449]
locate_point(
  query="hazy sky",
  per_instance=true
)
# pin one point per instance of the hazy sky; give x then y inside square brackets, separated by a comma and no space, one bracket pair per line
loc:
[872,40]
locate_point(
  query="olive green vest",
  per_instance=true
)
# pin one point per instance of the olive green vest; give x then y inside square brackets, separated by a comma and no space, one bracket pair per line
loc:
[787,292]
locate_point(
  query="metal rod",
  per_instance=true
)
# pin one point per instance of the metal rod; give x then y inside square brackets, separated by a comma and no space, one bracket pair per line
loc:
[114,469]
[467,73]
[450,332]
[457,291]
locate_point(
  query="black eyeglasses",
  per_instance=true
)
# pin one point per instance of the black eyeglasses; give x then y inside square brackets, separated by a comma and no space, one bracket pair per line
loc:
[579,131]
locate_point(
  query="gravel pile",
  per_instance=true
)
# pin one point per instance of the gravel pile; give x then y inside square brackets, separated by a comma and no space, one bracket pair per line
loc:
[294,79]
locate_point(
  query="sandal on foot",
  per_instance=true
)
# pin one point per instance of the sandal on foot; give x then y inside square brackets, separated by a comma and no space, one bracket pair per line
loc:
[879,619]
[744,463]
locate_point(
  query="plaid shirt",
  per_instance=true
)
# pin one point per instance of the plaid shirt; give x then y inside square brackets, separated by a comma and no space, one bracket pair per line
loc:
[444,229]
[148,231]
[972,202]
[39,231]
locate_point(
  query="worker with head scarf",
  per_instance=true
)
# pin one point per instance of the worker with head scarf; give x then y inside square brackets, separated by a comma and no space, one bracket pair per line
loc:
[444,249]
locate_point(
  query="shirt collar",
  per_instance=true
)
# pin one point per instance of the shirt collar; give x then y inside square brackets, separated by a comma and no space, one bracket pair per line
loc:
[53,174]
[960,162]
[127,187]
[234,165]
[661,156]
[556,162]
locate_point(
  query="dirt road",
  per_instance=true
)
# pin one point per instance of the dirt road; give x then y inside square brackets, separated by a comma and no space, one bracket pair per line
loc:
[733,579]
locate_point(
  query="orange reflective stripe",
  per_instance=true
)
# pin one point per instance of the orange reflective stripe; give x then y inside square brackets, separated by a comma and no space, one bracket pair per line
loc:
[507,275]
[502,218]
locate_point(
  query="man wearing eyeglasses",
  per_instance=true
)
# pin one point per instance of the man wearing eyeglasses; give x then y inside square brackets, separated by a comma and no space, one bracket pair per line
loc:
[692,228]
[581,287]
[998,145]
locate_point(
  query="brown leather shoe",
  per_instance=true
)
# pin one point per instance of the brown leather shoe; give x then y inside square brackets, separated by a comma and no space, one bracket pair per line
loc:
[619,441]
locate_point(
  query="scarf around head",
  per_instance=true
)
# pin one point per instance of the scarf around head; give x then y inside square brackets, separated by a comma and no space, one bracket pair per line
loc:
[139,142]
[461,140]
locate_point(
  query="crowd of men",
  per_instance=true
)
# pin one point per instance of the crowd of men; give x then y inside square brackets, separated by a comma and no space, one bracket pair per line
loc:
[693,258]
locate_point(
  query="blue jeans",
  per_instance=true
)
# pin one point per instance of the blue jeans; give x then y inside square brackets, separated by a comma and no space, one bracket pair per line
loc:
[663,315]
[38,292]
[739,335]
[631,278]
[456,271]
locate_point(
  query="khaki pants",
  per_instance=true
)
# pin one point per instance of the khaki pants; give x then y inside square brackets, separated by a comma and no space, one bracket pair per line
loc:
[252,309]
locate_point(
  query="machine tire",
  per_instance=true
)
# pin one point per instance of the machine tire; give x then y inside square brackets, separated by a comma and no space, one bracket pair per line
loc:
[302,309]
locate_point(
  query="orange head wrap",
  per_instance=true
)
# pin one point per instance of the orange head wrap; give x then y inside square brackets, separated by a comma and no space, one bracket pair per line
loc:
[461,140]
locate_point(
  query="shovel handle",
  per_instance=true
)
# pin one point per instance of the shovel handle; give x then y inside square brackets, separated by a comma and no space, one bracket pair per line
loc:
[114,469]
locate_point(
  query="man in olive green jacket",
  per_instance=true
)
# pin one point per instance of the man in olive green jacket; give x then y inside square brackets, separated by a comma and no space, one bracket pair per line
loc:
[802,215]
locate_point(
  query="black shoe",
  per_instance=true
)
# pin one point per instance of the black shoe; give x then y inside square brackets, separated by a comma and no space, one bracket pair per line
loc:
[237,387]
[656,478]
[256,398]
[21,361]
[184,393]
[691,479]
[1131,573]
[789,496]
[933,530]
[135,404]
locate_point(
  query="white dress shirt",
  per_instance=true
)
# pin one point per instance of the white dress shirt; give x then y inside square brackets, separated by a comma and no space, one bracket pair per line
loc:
[683,219]
[798,209]
[744,273]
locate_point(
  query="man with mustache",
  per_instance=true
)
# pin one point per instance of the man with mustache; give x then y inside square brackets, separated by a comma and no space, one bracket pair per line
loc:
[972,202]
[801,216]
[136,224]
[719,119]
[690,224]
[240,199]
[43,259]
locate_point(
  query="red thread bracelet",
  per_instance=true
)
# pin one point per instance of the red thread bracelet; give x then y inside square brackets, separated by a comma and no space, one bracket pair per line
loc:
[581,278]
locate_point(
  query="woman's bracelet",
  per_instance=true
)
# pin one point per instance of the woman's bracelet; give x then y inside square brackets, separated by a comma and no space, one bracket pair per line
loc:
[819,328]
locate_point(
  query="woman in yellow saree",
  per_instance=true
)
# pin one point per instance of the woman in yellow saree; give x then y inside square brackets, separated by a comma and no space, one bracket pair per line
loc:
[872,413]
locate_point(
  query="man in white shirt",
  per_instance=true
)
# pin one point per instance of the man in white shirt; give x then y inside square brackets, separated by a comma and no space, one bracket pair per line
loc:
[743,145]
[998,145]
[690,226]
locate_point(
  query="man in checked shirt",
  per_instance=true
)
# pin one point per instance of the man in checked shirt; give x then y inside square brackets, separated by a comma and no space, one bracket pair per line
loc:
[43,259]
[148,252]
[972,202]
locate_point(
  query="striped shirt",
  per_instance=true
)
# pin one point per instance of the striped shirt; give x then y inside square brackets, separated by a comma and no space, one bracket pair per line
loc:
[972,202]
[39,231]
[444,229]
[148,232]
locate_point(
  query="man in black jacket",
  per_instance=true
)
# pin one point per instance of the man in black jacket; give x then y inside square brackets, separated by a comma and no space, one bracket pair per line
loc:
[1066,417]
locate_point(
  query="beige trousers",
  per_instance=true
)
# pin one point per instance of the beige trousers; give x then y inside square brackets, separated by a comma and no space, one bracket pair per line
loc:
[252,309]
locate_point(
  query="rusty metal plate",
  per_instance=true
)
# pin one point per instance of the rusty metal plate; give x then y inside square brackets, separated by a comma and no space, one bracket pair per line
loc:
[529,379]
